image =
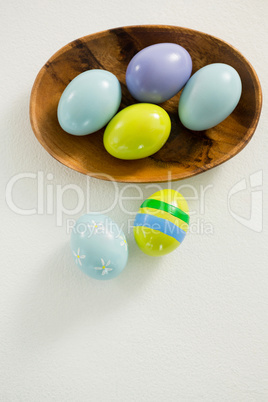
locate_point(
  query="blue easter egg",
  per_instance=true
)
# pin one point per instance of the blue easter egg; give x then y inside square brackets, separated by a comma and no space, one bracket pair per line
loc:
[99,247]
[209,96]
[89,101]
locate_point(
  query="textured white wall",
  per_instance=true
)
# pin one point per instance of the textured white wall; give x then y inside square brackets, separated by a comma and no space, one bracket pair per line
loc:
[188,327]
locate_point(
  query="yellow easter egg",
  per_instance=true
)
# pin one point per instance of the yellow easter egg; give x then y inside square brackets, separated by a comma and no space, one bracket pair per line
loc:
[161,222]
[137,131]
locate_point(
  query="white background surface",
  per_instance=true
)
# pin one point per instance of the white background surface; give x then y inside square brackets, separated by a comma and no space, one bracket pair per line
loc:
[188,327]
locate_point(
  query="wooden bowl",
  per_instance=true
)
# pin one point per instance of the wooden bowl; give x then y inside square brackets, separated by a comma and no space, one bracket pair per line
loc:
[186,152]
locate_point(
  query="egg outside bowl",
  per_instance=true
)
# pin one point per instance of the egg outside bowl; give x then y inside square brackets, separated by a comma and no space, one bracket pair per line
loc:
[186,153]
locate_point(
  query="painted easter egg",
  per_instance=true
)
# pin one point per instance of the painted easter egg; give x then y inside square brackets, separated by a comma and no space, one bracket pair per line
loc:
[137,131]
[89,101]
[209,96]
[158,72]
[99,247]
[161,222]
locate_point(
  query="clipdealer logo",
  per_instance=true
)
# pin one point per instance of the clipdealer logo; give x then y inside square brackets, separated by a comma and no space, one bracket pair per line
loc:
[51,199]
[255,221]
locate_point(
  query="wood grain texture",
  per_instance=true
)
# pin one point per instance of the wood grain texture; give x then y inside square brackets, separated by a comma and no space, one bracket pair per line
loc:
[186,152]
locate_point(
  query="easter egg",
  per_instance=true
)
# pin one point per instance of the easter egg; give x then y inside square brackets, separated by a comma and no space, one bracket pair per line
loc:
[158,72]
[89,101]
[161,222]
[137,131]
[209,96]
[99,247]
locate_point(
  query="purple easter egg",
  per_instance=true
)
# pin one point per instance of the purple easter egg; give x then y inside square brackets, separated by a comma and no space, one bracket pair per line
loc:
[158,72]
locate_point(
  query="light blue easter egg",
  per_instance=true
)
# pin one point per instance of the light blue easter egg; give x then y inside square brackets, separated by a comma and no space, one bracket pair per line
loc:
[99,247]
[209,96]
[89,101]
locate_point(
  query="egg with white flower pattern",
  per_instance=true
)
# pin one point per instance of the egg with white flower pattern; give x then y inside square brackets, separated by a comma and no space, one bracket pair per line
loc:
[99,247]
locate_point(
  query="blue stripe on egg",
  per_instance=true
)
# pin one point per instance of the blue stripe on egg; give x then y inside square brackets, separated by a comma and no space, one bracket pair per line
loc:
[162,225]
